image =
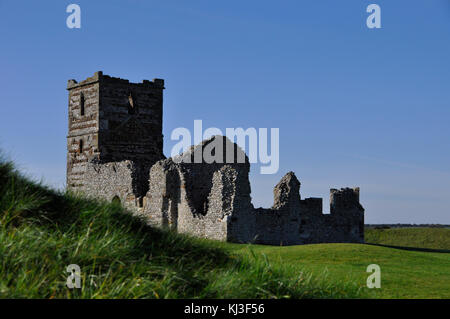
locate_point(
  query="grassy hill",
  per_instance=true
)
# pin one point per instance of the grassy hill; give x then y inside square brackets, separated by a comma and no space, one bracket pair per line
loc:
[43,231]
[429,238]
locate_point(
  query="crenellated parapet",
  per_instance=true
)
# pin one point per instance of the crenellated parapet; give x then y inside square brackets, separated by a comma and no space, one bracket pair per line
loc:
[100,77]
[345,201]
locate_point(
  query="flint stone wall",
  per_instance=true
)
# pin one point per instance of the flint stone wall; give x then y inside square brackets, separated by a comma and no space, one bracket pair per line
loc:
[122,181]
[212,200]
[198,198]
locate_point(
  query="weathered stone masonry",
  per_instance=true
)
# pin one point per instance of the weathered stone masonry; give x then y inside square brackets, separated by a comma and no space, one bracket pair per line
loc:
[115,152]
[112,120]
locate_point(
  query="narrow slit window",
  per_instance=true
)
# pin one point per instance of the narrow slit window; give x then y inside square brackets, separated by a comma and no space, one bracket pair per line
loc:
[81,104]
[131,104]
[81,146]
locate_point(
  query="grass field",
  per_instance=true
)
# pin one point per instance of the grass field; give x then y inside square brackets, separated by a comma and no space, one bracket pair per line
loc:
[43,231]
[429,238]
[404,273]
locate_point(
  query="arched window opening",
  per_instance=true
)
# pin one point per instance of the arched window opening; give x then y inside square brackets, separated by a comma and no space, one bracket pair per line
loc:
[116,200]
[81,104]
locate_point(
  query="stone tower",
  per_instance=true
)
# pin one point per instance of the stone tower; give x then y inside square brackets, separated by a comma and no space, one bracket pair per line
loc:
[113,120]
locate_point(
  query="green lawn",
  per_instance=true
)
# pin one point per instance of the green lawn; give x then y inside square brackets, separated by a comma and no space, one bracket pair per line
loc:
[43,231]
[404,273]
[431,238]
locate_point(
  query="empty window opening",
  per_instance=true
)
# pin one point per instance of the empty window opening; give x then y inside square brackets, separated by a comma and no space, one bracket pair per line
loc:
[81,104]
[131,104]
[81,146]
[116,200]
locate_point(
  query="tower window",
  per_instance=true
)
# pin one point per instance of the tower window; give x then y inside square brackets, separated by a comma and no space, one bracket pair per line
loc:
[81,146]
[131,104]
[81,104]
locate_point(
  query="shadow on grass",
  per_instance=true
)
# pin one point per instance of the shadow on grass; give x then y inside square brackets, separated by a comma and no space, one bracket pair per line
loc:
[427,250]
[67,210]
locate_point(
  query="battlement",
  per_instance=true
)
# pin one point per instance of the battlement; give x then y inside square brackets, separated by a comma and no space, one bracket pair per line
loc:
[312,205]
[100,77]
[344,200]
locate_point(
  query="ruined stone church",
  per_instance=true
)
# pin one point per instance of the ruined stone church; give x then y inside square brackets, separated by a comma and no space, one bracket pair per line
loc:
[115,152]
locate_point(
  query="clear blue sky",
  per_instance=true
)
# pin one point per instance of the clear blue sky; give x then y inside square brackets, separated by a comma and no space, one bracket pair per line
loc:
[355,106]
